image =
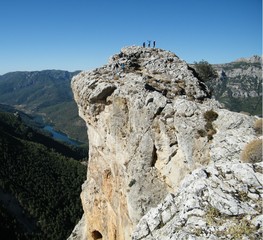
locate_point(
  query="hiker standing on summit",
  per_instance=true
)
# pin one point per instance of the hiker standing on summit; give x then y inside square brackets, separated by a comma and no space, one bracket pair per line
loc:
[149,43]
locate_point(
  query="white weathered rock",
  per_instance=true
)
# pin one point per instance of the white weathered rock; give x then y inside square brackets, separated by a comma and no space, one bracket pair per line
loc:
[203,207]
[157,167]
[79,232]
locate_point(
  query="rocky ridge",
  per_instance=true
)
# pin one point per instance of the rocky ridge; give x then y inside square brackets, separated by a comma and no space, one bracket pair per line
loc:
[164,159]
[253,59]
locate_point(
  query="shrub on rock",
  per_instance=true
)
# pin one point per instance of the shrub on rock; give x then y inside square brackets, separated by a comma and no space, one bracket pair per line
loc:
[258,126]
[252,153]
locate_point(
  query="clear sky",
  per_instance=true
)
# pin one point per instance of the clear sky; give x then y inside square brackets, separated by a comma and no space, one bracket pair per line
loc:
[83,34]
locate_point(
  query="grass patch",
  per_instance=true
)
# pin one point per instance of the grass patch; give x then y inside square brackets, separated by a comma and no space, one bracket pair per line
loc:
[212,215]
[242,228]
[209,130]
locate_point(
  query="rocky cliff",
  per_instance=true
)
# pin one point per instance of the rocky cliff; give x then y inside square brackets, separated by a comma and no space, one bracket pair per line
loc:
[239,85]
[164,159]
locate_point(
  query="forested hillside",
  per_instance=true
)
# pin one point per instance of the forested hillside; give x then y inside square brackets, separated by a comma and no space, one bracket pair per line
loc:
[46,93]
[40,183]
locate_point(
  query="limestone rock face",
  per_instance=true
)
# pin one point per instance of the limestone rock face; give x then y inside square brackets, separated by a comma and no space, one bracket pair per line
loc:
[220,201]
[161,153]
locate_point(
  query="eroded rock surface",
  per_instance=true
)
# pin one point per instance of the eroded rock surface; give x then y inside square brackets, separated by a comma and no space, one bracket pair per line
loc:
[221,201]
[164,158]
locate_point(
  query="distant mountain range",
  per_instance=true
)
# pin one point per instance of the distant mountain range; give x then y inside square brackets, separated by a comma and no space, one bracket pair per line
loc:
[48,93]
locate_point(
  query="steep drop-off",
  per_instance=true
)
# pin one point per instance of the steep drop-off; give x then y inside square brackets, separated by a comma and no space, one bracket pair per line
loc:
[164,158]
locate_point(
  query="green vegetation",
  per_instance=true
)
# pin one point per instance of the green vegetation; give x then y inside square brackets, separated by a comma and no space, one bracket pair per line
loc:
[242,65]
[132,182]
[210,116]
[240,229]
[239,86]
[252,105]
[13,125]
[205,71]
[10,227]
[252,153]
[64,116]
[43,178]
[209,130]
[47,94]
[212,215]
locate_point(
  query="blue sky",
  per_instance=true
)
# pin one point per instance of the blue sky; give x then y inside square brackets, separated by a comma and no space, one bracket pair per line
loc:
[83,34]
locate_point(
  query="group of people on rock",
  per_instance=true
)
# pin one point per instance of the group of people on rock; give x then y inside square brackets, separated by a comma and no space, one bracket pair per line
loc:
[149,43]
[121,66]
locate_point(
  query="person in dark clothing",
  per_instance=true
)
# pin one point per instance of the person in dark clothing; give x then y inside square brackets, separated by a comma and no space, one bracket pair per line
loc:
[122,67]
[149,43]
[154,44]
[143,44]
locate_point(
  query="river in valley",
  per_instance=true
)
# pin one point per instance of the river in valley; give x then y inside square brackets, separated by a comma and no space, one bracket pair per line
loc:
[60,136]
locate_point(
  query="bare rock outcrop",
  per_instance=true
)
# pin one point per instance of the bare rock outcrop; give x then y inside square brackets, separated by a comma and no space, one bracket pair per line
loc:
[162,154]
